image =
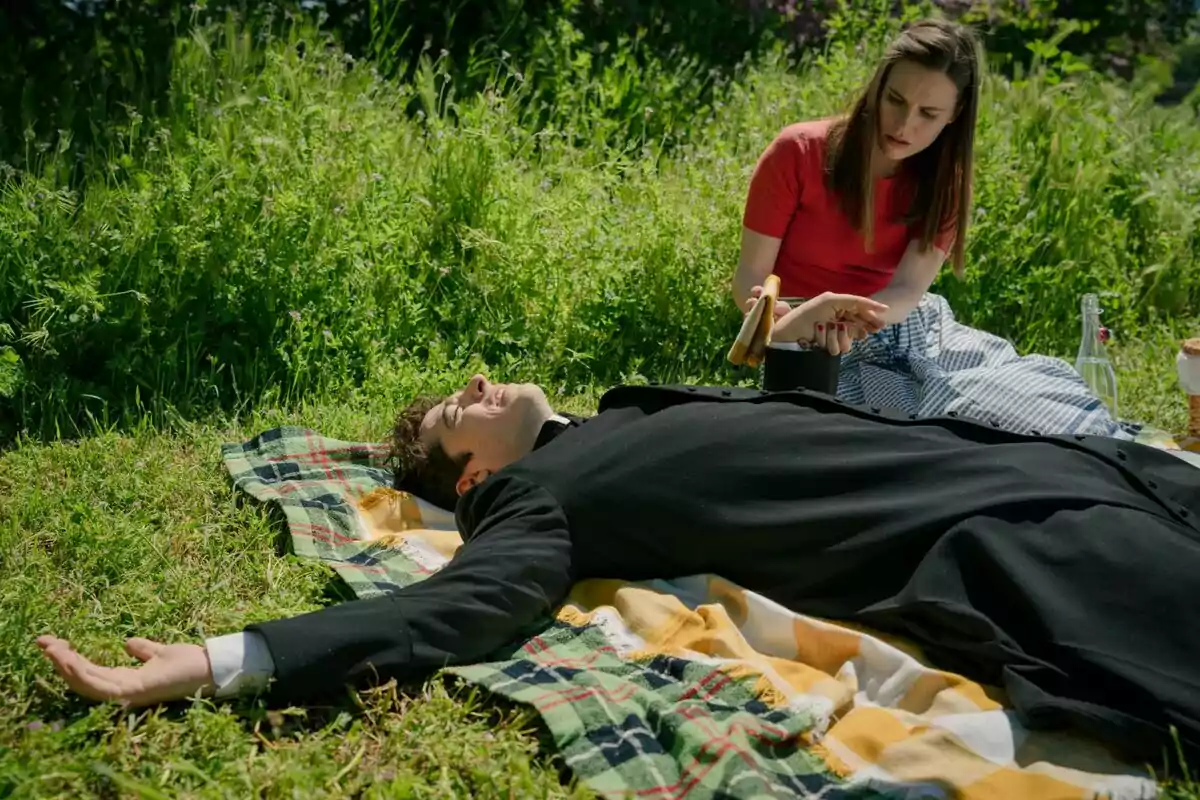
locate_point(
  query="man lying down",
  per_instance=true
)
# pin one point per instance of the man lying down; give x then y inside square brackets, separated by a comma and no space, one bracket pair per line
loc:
[1064,569]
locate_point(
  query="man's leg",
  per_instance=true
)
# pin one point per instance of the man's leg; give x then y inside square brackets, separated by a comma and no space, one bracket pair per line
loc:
[1087,617]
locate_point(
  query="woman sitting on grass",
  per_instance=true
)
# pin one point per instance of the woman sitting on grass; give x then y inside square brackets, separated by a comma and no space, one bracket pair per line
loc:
[873,203]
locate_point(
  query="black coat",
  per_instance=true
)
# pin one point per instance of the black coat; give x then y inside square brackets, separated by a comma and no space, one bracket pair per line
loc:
[1065,569]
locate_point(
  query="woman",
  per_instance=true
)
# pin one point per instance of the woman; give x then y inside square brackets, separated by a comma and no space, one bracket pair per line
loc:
[873,203]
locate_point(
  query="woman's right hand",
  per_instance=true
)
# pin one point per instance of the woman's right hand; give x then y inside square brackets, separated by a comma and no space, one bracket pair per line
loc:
[781,308]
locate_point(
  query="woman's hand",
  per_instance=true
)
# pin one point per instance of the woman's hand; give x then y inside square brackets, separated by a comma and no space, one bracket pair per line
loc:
[781,308]
[831,321]
[168,672]
[838,337]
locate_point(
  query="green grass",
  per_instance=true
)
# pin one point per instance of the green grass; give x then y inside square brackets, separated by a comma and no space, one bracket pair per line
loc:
[293,241]
[294,225]
[139,533]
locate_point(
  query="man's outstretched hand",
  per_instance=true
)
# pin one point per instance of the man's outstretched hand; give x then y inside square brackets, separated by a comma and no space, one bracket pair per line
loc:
[168,672]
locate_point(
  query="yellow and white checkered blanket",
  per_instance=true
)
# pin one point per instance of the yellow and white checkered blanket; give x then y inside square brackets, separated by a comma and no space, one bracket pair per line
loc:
[884,715]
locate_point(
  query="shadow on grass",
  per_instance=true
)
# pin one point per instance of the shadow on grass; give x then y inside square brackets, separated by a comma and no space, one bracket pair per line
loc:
[275,723]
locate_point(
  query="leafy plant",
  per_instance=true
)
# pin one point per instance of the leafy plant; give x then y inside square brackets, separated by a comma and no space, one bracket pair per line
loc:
[295,224]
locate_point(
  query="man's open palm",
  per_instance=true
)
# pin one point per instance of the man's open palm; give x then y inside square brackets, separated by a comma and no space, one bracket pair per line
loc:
[168,672]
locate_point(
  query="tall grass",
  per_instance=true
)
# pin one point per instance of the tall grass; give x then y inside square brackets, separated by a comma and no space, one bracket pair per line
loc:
[297,235]
[295,224]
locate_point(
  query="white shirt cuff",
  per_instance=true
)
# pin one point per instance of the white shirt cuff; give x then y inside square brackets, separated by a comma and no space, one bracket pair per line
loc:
[240,662]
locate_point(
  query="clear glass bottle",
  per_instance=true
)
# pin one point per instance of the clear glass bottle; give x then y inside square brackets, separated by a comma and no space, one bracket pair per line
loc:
[1093,363]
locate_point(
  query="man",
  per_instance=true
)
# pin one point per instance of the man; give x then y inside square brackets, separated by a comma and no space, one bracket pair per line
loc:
[1065,569]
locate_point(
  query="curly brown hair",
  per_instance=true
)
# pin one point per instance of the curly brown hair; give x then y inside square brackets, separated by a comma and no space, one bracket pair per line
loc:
[430,473]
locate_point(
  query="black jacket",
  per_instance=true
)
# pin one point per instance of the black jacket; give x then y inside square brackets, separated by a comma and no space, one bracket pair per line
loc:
[1065,569]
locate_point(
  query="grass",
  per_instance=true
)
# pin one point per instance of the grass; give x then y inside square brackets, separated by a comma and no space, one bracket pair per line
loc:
[299,240]
[296,224]
[138,533]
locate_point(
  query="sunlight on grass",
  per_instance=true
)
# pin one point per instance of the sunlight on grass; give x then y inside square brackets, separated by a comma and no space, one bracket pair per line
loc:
[299,241]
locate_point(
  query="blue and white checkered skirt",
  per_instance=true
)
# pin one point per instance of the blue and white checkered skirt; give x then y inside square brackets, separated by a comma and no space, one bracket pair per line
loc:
[930,365]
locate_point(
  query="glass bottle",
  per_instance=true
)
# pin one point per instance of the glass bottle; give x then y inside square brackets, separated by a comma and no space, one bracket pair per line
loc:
[1093,363]
[1187,364]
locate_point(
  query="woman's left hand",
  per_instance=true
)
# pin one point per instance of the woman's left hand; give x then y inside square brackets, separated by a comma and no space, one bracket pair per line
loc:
[831,321]
[836,337]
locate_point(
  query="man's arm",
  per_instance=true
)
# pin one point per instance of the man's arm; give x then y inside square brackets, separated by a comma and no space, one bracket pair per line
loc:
[239,663]
[515,568]
[512,571]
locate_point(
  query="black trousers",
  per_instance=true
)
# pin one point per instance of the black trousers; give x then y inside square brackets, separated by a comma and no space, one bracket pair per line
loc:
[800,369]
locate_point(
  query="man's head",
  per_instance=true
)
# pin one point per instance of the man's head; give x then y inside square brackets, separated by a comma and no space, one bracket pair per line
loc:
[444,446]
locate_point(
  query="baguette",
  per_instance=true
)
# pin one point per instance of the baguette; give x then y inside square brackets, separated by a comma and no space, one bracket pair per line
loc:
[755,334]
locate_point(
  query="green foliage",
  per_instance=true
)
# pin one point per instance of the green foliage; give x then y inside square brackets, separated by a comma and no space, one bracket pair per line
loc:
[139,535]
[69,69]
[1081,187]
[294,223]
[286,234]
[1112,34]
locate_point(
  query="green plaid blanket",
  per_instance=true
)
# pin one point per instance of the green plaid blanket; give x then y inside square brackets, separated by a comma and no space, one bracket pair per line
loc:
[661,728]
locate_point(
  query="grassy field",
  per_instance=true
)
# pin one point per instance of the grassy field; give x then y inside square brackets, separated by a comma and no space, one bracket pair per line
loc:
[296,225]
[137,533]
[290,243]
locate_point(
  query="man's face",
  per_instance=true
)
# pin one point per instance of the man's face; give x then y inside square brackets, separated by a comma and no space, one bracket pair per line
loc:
[916,105]
[497,423]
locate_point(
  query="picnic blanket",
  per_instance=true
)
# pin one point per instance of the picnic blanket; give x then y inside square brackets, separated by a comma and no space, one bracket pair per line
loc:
[692,688]
[930,364]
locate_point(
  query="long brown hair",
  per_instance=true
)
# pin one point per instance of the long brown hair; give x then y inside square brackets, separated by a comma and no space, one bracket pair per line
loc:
[941,173]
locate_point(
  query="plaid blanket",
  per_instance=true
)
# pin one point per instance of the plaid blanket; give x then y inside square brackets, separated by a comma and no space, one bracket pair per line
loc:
[692,688]
[930,364]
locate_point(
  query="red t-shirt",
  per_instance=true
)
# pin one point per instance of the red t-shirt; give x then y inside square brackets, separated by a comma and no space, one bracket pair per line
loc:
[789,199]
